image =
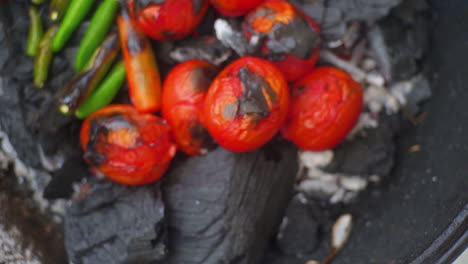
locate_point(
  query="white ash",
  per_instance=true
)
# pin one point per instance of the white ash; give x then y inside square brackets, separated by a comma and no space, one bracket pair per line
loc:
[231,37]
[13,252]
[33,179]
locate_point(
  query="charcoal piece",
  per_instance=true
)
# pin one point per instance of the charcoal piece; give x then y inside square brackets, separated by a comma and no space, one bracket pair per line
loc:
[299,231]
[116,224]
[223,207]
[372,152]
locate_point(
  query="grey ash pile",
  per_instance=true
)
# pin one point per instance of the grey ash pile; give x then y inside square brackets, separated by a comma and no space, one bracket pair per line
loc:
[222,207]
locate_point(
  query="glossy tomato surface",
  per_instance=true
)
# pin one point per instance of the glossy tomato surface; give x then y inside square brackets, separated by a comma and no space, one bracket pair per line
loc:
[184,94]
[127,146]
[235,7]
[246,104]
[287,37]
[325,106]
[167,20]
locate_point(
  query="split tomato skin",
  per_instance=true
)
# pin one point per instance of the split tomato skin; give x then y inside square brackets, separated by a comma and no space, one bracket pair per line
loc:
[167,20]
[234,8]
[127,146]
[246,104]
[184,93]
[289,38]
[325,106]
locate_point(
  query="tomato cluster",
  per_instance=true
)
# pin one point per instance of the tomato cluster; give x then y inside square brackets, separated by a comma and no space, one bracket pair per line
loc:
[240,108]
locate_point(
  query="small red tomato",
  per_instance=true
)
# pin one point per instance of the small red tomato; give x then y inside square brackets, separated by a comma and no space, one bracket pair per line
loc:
[127,146]
[235,7]
[286,36]
[325,106]
[246,104]
[166,20]
[184,94]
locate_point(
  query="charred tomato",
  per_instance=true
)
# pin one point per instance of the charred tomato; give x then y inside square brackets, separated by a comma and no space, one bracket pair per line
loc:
[285,36]
[235,7]
[167,20]
[246,104]
[127,146]
[325,105]
[184,94]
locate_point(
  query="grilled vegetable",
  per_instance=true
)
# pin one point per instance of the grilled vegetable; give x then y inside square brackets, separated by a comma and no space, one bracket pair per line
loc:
[73,17]
[43,57]
[184,94]
[235,7]
[35,33]
[142,71]
[84,83]
[57,9]
[127,146]
[246,104]
[104,93]
[101,22]
[325,105]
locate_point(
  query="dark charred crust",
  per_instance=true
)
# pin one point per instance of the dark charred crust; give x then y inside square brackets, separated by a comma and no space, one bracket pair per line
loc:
[230,110]
[201,78]
[74,92]
[200,134]
[110,46]
[96,131]
[197,6]
[297,37]
[136,42]
[253,101]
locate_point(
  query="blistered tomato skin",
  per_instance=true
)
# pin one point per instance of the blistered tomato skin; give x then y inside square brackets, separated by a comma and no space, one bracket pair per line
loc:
[325,106]
[246,104]
[184,94]
[127,146]
[288,37]
[167,20]
[235,7]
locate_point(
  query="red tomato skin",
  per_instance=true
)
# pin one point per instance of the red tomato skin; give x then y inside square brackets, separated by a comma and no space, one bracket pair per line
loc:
[184,93]
[280,12]
[170,20]
[325,106]
[239,130]
[235,8]
[135,149]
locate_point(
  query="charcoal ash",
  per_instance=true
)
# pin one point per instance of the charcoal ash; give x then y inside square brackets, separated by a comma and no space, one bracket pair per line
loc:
[223,207]
[116,224]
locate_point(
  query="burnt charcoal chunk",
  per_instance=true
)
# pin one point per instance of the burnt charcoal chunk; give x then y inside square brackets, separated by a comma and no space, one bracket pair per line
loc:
[224,207]
[117,224]
[369,153]
[298,234]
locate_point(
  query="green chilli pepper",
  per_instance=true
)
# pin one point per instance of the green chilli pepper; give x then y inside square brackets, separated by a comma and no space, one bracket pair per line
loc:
[43,57]
[38,2]
[105,93]
[36,32]
[57,9]
[73,17]
[84,83]
[100,24]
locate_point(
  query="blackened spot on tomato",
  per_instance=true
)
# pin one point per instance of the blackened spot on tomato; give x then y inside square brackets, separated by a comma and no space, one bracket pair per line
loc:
[136,42]
[142,4]
[200,134]
[201,78]
[197,6]
[254,91]
[96,135]
[230,110]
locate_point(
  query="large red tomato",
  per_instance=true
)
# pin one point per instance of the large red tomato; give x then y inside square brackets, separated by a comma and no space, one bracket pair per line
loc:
[127,146]
[325,106]
[246,104]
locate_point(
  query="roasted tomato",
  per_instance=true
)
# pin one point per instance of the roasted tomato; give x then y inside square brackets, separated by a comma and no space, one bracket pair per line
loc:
[285,36]
[184,94]
[325,106]
[246,104]
[127,146]
[235,7]
[166,20]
